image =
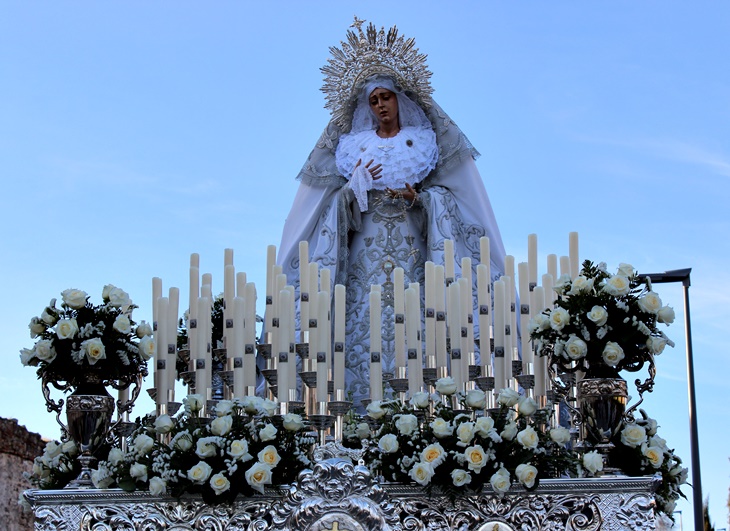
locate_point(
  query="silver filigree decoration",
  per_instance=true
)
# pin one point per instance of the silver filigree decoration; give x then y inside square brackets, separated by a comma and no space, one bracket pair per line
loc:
[366,54]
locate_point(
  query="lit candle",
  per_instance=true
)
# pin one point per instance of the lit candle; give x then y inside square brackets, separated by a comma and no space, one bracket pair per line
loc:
[400,326]
[413,322]
[339,353]
[573,252]
[376,368]
[484,301]
[449,259]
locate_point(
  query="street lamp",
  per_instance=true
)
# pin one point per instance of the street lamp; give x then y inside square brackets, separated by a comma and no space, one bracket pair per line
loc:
[682,275]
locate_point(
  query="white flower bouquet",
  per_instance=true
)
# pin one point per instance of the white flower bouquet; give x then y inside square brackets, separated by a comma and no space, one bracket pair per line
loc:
[79,339]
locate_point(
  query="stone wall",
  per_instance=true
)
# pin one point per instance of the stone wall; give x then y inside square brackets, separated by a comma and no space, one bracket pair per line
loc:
[18,448]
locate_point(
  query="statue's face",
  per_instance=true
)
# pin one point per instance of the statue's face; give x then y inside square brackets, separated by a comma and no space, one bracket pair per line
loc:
[384,105]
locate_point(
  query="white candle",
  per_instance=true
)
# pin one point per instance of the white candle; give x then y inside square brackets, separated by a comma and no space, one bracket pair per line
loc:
[430,314]
[499,341]
[376,369]
[195,260]
[325,281]
[162,361]
[207,281]
[339,353]
[449,259]
[400,326]
[415,286]
[204,347]
[484,251]
[249,339]
[573,252]
[440,306]
[549,293]
[241,284]
[172,317]
[454,319]
[484,301]
[527,356]
[235,352]
[304,287]
[193,306]
[540,361]
[323,304]
[227,257]
[552,265]
[532,258]
[465,310]
[413,322]
[282,350]
[564,265]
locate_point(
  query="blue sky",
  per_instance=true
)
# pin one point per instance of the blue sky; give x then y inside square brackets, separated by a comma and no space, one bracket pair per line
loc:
[136,133]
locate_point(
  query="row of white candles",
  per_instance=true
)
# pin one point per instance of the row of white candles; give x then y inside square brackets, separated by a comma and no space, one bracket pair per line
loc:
[448,311]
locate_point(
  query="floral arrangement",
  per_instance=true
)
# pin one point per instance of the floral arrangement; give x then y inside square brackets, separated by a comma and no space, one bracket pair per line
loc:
[457,449]
[243,449]
[602,323]
[56,467]
[80,338]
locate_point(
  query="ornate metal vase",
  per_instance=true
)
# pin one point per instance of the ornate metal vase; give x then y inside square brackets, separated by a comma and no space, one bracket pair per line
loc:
[89,412]
[602,404]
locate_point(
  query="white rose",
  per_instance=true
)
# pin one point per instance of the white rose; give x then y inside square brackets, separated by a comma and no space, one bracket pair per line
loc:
[221,425]
[224,407]
[434,454]
[219,483]
[164,424]
[66,328]
[421,473]
[655,455]
[239,450]
[560,435]
[143,444]
[526,406]
[680,473]
[388,444]
[376,410]
[460,477]
[562,283]
[575,348]
[508,397]
[626,270]
[665,315]
[138,471]
[101,478]
[206,447]
[593,462]
[122,324]
[106,290]
[484,426]
[446,386]
[116,456]
[48,317]
[612,354]
[581,284]
[406,424]
[74,298]
[465,433]
[94,349]
[509,432]
[44,351]
[250,404]
[500,481]
[475,457]
[362,430]
[650,302]
[147,348]
[420,400]
[194,402]
[526,474]
[143,329]
[476,399]
[538,323]
[119,298]
[617,285]
[182,441]
[633,435]
[441,428]
[293,422]
[656,344]
[559,317]
[528,438]
[268,433]
[268,407]
[158,486]
[650,425]
[269,456]
[36,327]
[200,473]
[598,315]
[26,355]
[258,475]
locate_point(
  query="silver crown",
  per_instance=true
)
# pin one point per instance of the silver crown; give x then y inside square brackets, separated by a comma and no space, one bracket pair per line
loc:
[370,53]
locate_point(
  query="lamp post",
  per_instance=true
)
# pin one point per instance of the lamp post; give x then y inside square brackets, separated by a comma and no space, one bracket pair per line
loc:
[682,275]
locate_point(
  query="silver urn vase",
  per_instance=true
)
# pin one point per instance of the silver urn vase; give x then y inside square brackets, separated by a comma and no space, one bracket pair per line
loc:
[602,405]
